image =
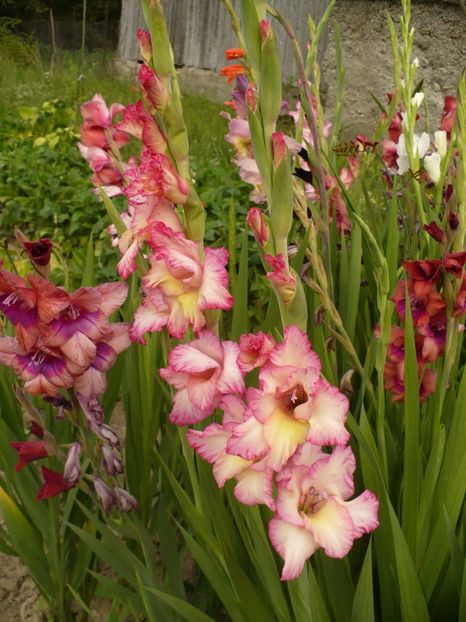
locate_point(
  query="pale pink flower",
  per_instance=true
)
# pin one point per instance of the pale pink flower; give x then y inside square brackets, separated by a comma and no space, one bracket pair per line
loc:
[312,510]
[254,351]
[294,404]
[202,371]
[180,285]
[254,478]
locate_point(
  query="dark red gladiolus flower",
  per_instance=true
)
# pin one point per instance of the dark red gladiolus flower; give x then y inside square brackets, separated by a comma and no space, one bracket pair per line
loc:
[434,231]
[428,270]
[53,485]
[28,451]
[454,263]
[39,251]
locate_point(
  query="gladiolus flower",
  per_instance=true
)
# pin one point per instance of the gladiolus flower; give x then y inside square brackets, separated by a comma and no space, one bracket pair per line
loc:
[234,53]
[179,286]
[28,451]
[254,351]
[202,371]
[72,471]
[294,403]
[155,175]
[97,127]
[313,511]
[453,220]
[448,116]
[53,485]
[454,263]
[139,123]
[232,71]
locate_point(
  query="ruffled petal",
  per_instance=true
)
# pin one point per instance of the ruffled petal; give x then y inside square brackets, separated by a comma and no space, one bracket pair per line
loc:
[364,513]
[329,409]
[294,544]
[332,527]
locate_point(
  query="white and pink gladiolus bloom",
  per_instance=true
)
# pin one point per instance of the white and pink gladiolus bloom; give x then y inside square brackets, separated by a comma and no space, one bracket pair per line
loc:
[254,478]
[281,277]
[180,286]
[202,372]
[313,511]
[293,404]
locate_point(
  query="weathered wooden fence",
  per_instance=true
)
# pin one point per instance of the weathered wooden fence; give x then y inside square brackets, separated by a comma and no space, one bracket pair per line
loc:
[200,30]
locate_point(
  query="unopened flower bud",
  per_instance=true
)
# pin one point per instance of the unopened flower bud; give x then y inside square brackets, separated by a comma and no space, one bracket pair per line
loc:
[145,44]
[256,221]
[266,29]
[105,494]
[105,432]
[72,471]
[38,251]
[345,384]
[125,501]
[112,464]
[453,220]
[435,231]
[153,87]
[319,316]
[279,147]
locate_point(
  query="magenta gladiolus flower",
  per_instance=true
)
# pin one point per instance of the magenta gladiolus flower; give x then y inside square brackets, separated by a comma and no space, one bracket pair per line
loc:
[97,127]
[180,286]
[202,371]
[312,510]
[153,88]
[139,123]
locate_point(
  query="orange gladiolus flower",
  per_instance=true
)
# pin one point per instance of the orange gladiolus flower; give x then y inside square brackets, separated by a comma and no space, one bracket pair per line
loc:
[234,53]
[232,71]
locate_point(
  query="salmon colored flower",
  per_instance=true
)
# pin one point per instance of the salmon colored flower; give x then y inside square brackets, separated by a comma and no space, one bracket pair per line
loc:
[234,53]
[232,71]
[313,511]
[256,221]
[202,371]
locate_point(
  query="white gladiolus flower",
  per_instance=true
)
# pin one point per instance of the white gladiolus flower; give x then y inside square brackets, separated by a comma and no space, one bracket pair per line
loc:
[420,146]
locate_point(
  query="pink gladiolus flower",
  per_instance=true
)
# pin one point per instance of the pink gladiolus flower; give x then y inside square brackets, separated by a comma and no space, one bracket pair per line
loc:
[139,123]
[140,221]
[153,88]
[254,478]
[256,221]
[97,130]
[155,176]
[313,511]
[294,403]
[202,371]
[281,277]
[179,286]
[254,351]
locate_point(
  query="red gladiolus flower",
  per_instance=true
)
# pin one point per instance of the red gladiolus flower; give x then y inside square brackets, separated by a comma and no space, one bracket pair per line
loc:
[448,115]
[28,451]
[53,485]
[232,71]
[454,263]
[234,53]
